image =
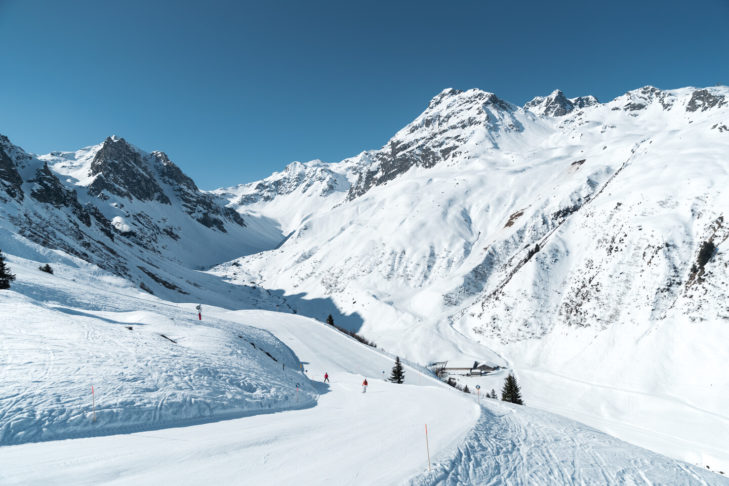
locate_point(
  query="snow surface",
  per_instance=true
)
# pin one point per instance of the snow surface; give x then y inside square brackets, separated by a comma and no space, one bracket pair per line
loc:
[521,445]
[152,364]
[559,241]
[171,405]
[562,247]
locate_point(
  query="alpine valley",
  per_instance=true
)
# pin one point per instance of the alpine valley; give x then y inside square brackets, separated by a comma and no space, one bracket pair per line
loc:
[581,245]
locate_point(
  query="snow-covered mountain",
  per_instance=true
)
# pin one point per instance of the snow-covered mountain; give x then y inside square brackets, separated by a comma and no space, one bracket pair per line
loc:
[581,241]
[581,244]
[128,211]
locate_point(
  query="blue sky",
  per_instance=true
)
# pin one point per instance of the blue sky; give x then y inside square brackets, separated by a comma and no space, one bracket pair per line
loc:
[235,90]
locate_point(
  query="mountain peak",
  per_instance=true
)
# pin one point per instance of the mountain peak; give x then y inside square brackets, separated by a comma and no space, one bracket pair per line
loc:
[556,104]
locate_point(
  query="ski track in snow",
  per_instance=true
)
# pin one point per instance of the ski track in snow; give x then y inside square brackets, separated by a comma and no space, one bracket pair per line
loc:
[514,445]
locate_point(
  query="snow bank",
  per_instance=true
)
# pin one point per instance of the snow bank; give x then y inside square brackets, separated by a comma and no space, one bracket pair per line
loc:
[152,367]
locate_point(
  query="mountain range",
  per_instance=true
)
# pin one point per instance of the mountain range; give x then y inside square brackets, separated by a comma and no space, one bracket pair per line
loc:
[580,243]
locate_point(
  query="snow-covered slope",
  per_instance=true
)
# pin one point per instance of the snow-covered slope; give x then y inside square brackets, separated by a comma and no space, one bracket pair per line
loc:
[521,445]
[543,232]
[151,363]
[351,437]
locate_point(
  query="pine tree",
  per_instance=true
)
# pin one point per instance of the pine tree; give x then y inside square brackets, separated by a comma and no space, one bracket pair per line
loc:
[511,392]
[398,374]
[493,394]
[466,390]
[330,320]
[46,268]
[5,276]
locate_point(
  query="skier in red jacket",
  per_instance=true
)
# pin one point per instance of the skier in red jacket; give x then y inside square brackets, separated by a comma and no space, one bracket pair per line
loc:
[326,377]
[364,386]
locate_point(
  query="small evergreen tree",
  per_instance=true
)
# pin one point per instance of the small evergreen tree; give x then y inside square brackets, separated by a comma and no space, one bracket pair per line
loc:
[330,320]
[493,394]
[46,268]
[466,390]
[511,392]
[5,276]
[398,374]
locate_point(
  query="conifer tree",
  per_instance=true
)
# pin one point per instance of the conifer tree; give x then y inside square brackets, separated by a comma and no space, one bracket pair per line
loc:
[493,394]
[330,320]
[511,392]
[5,276]
[398,374]
[466,390]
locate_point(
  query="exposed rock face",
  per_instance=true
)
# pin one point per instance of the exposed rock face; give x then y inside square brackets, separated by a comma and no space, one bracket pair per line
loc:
[121,170]
[120,208]
[525,219]
[201,206]
[9,177]
[556,104]
[452,118]
[702,100]
[48,189]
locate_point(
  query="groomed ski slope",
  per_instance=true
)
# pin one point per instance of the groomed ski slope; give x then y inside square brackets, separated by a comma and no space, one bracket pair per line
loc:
[515,445]
[350,437]
[353,438]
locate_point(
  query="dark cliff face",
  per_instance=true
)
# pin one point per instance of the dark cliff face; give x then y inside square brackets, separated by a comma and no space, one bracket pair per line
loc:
[702,100]
[150,194]
[556,104]
[122,171]
[10,180]
[203,207]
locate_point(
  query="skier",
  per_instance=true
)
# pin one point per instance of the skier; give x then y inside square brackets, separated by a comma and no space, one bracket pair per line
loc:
[364,386]
[326,377]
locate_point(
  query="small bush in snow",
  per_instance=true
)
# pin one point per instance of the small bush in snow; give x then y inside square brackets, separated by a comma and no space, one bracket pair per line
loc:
[5,276]
[46,268]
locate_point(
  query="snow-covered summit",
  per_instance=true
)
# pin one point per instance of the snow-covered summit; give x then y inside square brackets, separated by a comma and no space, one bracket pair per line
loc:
[540,232]
[557,104]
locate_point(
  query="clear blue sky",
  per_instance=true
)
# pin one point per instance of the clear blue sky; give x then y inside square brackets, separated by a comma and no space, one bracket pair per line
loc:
[234,90]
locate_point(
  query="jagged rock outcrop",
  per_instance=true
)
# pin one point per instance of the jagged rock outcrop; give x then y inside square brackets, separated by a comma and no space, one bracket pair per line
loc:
[122,209]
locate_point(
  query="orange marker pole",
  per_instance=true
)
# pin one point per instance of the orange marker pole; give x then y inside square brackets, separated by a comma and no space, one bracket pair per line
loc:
[427,447]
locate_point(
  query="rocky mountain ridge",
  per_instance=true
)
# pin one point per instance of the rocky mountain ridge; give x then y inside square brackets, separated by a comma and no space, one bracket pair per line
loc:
[122,209]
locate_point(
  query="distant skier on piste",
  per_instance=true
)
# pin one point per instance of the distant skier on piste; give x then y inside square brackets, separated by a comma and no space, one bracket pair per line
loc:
[364,386]
[326,377]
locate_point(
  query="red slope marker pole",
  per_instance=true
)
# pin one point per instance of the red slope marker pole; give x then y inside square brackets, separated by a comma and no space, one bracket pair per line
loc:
[427,447]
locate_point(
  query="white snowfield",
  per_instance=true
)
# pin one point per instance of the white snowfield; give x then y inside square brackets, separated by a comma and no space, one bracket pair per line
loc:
[347,437]
[565,236]
[521,445]
[151,364]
